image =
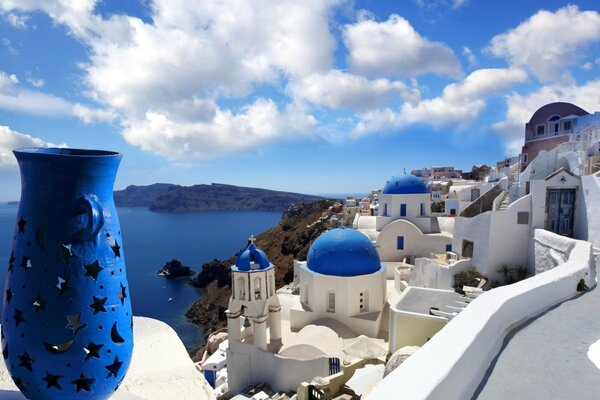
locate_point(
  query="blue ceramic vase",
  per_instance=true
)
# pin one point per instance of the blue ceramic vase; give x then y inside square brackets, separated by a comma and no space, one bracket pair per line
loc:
[67,326]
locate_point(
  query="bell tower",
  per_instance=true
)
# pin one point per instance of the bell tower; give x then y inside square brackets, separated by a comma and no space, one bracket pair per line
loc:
[253,297]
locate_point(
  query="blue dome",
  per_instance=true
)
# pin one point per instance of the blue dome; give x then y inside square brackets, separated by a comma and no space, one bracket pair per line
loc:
[252,254]
[405,184]
[343,252]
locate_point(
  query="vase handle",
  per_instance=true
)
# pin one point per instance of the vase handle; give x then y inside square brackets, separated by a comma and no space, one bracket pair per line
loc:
[95,217]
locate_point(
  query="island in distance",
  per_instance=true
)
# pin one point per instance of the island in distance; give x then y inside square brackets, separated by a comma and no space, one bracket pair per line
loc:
[164,197]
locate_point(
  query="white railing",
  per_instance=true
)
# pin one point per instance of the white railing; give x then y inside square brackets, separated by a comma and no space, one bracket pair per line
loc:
[498,200]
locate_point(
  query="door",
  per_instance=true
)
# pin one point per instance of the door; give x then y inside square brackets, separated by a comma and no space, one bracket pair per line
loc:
[560,211]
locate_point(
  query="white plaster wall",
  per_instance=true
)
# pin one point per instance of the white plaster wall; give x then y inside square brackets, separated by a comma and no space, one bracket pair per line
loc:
[248,365]
[497,238]
[446,224]
[452,204]
[413,207]
[410,329]
[589,227]
[429,274]
[315,288]
[453,362]
[415,242]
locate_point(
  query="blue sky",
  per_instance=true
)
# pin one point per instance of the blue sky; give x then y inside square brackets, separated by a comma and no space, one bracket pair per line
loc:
[314,96]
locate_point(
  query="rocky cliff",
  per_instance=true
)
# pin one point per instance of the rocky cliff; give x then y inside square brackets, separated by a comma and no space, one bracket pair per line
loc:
[289,240]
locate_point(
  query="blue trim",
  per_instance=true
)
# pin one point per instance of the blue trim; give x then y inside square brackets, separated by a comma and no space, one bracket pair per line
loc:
[400,243]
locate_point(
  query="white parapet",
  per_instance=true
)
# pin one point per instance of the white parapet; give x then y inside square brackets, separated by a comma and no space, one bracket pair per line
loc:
[160,368]
[453,362]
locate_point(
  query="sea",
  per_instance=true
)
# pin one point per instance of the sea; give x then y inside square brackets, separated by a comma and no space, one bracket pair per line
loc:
[151,239]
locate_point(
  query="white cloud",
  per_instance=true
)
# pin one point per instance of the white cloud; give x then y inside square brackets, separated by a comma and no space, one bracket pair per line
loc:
[10,140]
[460,103]
[337,89]
[548,42]
[520,108]
[36,82]
[92,115]
[17,99]
[17,21]
[468,53]
[168,78]
[9,47]
[257,124]
[394,49]
[77,15]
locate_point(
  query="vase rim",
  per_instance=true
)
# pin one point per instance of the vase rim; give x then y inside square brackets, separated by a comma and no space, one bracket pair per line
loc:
[66,152]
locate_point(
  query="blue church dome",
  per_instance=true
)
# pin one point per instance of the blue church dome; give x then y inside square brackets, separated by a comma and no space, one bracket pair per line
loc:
[405,184]
[252,254]
[343,252]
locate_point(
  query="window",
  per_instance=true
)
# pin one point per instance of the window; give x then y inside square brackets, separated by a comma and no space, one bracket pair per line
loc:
[467,248]
[422,209]
[385,209]
[257,288]
[400,243]
[449,247]
[331,301]
[556,128]
[554,118]
[540,129]
[567,126]
[524,157]
[403,210]
[364,300]
[523,218]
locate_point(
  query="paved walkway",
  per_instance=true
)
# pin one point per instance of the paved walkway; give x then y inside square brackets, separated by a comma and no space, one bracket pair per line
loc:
[547,357]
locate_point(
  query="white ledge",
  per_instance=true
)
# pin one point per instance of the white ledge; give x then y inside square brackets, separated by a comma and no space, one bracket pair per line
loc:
[160,368]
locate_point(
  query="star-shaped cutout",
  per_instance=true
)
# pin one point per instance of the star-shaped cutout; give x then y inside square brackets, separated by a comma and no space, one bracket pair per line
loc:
[116,249]
[83,383]
[74,323]
[11,261]
[26,262]
[122,295]
[92,270]
[9,295]
[98,304]
[113,369]
[21,225]
[26,361]
[18,316]
[52,381]
[93,350]
[39,304]
[62,286]
[65,252]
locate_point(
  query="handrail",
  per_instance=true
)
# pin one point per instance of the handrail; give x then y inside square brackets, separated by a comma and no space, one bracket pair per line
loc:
[498,200]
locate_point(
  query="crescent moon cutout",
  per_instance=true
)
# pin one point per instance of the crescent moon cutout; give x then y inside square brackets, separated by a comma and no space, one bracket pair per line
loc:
[58,348]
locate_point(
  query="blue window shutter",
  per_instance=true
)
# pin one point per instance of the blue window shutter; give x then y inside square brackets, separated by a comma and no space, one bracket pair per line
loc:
[449,247]
[403,210]
[400,243]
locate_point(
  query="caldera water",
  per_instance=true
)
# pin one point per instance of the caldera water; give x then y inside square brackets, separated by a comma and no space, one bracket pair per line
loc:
[151,239]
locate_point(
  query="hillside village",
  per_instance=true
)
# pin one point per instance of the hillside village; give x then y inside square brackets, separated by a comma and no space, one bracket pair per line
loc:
[418,284]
